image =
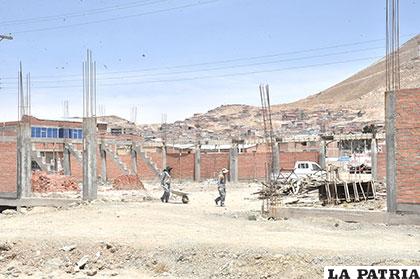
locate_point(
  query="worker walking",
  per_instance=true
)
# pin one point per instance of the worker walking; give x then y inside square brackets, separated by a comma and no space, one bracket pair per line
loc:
[221,186]
[165,182]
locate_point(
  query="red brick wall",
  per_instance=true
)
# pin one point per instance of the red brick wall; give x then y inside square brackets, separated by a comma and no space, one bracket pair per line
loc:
[183,166]
[408,146]
[252,165]
[143,170]
[8,171]
[288,159]
[212,163]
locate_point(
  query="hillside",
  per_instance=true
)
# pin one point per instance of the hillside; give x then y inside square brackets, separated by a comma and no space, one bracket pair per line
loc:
[344,107]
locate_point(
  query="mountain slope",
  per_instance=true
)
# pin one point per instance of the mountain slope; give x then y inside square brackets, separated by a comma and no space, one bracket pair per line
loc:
[344,107]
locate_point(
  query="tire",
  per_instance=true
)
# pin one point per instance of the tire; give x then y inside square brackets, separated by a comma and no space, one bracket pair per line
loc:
[185,199]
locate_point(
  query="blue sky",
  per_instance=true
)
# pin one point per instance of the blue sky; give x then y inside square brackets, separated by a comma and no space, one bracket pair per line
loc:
[184,56]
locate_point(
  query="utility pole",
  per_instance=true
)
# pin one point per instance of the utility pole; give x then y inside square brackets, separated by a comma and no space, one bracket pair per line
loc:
[5,37]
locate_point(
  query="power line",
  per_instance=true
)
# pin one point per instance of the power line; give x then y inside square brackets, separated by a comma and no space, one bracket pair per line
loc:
[117,18]
[80,14]
[226,61]
[220,68]
[224,75]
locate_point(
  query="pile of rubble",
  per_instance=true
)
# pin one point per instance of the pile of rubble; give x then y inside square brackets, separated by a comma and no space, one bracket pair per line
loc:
[44,182]
[320,188]
[128,182]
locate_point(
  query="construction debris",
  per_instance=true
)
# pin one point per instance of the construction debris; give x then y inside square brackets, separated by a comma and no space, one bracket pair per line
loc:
[128,182]
[44,182]
[326,187]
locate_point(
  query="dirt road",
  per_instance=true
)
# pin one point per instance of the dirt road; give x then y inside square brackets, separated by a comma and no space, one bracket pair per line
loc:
[197,240]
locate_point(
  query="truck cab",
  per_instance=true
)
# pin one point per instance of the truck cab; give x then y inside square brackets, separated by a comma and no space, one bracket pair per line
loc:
[306,167]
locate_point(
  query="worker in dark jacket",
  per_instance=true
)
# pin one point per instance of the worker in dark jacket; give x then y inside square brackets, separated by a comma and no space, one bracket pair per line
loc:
[221,186]
[165,182]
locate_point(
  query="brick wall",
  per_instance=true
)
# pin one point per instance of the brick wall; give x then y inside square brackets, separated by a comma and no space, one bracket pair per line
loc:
[408,146]
[251,165]
[183,165]
[288,159]
[8,156]
[212,163]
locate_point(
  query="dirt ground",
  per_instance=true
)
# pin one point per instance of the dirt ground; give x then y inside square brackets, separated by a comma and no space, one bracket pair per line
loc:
[129,234]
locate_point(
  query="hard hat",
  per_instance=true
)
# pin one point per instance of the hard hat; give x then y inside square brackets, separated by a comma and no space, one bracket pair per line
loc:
[224,170]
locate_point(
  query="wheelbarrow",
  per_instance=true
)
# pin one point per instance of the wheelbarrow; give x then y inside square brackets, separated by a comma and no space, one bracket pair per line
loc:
[183,195]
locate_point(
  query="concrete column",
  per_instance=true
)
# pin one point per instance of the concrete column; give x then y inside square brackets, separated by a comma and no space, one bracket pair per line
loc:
[89,159]
[391,166]
[276,158]
[104,175]
[374,158]
[133,162]
[24,162]
[66,161]
[322,154]
[233,164]
[197,163]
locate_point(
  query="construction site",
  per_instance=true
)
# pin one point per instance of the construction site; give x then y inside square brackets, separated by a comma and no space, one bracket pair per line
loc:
[309,184]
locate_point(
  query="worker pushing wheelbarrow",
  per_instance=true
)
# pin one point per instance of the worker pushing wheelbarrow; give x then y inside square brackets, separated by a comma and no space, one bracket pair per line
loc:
[165,182]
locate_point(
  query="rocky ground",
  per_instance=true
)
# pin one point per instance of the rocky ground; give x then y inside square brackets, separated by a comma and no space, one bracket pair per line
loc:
[131,234]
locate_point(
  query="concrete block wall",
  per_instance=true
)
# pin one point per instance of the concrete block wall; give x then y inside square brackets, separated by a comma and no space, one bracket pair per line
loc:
[408,146]
[8,166]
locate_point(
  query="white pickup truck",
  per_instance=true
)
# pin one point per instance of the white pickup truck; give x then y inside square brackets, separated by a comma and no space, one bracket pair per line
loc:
[301,169]
[306,167]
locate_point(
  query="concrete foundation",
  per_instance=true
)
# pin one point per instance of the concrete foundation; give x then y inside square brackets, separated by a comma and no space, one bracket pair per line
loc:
[347,215]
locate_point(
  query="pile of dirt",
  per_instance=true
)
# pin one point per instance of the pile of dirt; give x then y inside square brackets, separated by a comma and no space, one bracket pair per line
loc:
[44,182]
[128,182]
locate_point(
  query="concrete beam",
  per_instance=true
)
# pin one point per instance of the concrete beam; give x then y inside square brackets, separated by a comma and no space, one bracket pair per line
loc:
[197,164]
[233,164]
[346,215]
[89,159]
[391,166]
[32,201]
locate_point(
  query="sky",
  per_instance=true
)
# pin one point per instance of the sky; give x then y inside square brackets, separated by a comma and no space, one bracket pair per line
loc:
[180,57]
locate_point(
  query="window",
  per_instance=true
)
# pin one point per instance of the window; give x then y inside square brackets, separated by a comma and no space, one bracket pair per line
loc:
[315,167]
[303,166]
[43,132]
